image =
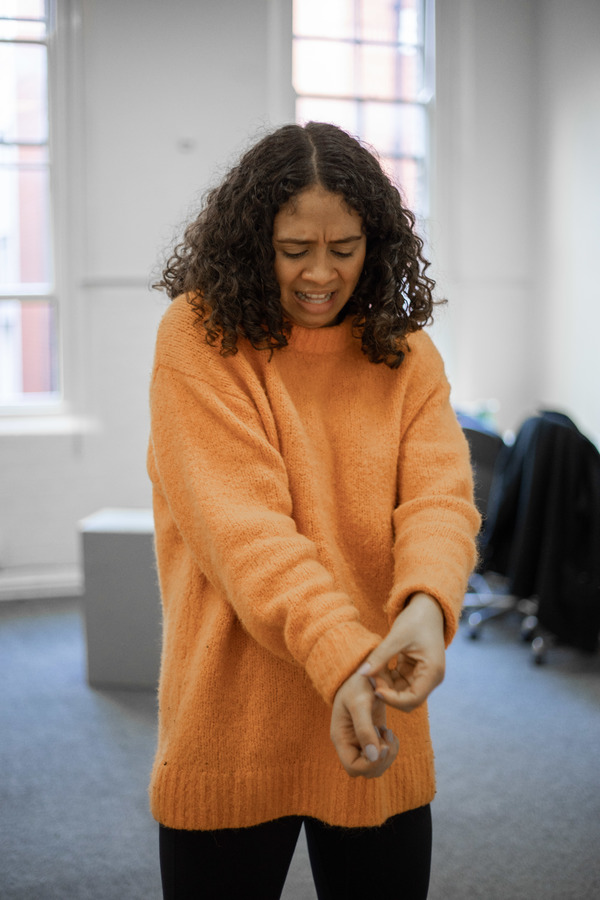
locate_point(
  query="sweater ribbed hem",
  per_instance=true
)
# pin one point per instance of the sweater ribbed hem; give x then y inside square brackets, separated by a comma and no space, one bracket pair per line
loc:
[191,800]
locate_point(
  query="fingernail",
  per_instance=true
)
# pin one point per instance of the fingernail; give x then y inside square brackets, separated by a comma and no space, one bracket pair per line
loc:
[365,669]
[384,752]
[378,731]
[371,753]
[389,735]
[373,683]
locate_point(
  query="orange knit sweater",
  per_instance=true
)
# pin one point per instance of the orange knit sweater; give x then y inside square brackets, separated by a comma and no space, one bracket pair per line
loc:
[299,500]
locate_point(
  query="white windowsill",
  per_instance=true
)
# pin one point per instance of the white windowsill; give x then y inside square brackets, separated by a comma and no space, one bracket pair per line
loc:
[25,425]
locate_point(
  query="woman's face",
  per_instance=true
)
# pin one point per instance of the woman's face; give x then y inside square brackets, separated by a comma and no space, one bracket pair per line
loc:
[320,249]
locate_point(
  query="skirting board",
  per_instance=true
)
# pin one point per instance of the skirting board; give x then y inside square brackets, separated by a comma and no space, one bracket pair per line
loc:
[40,583]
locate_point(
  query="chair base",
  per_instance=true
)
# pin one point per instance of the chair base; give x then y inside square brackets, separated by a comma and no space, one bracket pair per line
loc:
[488,598]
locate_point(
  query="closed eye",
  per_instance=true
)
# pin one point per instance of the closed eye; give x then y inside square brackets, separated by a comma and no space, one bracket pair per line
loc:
[341,254]
[334,248]
[289,255]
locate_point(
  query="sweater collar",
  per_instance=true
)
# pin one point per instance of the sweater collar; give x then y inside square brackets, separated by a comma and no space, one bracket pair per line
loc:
[335,339]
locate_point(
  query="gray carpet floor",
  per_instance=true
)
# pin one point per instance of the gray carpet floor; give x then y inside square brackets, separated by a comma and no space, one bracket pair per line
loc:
[517,816]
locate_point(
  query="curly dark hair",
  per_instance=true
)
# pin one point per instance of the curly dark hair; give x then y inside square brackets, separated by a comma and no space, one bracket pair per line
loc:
[225,262]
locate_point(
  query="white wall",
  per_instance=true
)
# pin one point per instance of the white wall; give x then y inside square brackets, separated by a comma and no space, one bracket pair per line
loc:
[516,220]
[482,223]
[569,209]
[167,93]
[162,96]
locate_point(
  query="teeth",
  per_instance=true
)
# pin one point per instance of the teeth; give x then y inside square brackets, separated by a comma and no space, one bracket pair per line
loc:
[315,298]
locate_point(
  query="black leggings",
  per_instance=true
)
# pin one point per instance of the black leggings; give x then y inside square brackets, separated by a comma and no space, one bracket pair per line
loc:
[391,861]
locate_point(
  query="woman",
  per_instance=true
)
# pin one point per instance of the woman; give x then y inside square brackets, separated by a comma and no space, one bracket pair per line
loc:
[314,530]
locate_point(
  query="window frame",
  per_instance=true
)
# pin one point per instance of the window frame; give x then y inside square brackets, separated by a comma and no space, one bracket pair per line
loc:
[65,152]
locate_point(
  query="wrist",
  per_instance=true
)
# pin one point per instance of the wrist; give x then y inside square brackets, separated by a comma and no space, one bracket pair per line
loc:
[425,603]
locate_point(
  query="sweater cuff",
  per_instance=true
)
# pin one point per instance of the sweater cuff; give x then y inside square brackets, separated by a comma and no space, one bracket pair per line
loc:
[450,612]
[337,655]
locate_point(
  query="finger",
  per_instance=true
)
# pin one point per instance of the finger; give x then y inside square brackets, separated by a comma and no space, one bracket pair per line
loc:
[368,736]
[389,741]
[353,730]
[354,759]
[377,661]
[393,743]
[389,751]
[392,679]
[408,694]
[356,765]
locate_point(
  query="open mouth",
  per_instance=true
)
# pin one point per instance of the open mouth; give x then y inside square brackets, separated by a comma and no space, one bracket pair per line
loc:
[314,298]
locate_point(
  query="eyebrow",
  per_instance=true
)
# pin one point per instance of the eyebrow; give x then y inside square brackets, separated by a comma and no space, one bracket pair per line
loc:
[344,240]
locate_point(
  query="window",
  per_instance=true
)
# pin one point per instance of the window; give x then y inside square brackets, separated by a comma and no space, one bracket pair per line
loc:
[366,65]
[28,319]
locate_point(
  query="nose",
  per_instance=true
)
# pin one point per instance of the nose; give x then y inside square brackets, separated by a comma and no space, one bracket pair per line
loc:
[319,269]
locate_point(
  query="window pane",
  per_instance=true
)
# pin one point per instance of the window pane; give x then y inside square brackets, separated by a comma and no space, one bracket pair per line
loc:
[378,20]
[24,217]
[337,112]
[389,74]
[410,23]
[27,9]
[324,67]
[396,129]
[23,106]
[28,352]
[324,18]
[378,71]
[406,175]
[411,75]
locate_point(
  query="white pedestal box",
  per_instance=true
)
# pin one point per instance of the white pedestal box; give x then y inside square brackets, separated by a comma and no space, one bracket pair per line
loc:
[121,599]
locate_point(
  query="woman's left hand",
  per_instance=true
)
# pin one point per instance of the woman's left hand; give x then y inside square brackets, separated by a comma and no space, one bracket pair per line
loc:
[415,643]
[363,743]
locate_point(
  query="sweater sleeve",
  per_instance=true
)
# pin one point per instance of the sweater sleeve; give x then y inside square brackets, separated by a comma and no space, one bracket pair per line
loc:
[435,521]
[224,486]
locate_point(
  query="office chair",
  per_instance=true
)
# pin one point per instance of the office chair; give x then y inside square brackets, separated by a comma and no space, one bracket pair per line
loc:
[541,536]
[487,594]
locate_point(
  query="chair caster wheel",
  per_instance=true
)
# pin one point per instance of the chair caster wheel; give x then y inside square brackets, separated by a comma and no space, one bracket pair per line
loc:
[538,650]
[475,620]
[528,627]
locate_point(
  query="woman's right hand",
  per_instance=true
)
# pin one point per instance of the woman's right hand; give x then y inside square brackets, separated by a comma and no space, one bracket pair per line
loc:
[362,741]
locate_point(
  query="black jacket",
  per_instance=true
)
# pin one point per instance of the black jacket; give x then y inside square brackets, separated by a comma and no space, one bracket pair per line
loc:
[543,526]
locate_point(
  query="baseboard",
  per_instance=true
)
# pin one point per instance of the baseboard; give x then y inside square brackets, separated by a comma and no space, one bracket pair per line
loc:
[40,583]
